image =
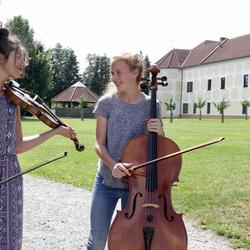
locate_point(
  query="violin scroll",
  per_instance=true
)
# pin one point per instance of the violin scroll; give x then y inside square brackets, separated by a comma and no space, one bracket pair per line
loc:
[79,147]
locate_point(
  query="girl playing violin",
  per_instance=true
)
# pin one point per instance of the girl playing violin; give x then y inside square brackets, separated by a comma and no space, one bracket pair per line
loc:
[13,60]
[119,117]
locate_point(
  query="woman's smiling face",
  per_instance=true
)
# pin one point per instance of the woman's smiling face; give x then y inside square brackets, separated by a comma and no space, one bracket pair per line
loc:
[16,63]
[122,76]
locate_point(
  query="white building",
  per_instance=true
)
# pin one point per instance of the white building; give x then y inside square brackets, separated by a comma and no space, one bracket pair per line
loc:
[213,70]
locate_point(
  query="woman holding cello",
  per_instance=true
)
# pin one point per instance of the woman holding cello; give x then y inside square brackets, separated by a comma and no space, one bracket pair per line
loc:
[119,118]
[13,60]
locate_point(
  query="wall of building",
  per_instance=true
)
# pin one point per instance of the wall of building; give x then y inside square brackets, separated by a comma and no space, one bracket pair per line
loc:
[233,71]
[173,89]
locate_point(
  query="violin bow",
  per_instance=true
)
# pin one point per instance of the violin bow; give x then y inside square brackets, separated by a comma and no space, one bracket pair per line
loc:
[177,153]
[33,168]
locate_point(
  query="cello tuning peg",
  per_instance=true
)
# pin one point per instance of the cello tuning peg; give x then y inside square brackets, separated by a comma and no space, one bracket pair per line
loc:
[163,80]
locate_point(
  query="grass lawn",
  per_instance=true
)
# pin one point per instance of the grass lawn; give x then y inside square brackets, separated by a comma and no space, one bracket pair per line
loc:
[214,186]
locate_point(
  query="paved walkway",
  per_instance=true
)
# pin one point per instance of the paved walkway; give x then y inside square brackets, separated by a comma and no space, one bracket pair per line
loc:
[56,216]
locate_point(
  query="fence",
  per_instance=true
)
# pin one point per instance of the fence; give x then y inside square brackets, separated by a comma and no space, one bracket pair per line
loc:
[74,112]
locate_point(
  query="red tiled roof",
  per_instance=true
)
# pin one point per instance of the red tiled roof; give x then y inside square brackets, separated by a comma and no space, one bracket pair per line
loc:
[207,52]
[173,59]
[200,52]
[75,93]
[231,49]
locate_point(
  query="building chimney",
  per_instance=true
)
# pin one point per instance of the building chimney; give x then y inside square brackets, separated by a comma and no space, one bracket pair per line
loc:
[222,39]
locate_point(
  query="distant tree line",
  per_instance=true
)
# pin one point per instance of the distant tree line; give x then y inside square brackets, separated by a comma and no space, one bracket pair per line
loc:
[52,70]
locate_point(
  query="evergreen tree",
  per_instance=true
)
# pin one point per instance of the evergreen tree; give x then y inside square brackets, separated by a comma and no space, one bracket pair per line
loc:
[71,68]
[146,74]
[146,64]
[97,74]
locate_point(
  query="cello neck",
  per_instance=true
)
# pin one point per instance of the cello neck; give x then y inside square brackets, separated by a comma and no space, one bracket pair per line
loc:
[151,182]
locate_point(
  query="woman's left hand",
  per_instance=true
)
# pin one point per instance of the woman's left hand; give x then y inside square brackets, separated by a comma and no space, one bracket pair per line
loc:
[155,125]
[66,131]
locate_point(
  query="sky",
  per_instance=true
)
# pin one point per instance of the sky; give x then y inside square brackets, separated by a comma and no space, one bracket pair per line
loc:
[113,27]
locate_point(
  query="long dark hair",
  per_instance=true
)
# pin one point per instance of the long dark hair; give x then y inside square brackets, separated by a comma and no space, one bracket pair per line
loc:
[9,43]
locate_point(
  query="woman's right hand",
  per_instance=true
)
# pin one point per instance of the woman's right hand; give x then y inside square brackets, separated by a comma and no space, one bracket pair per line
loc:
[120,170]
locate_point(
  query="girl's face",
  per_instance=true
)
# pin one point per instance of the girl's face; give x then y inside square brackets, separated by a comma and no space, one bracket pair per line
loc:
[122,76]
[15,65]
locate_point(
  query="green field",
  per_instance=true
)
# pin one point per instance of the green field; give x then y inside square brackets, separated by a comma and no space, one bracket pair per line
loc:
[214,186]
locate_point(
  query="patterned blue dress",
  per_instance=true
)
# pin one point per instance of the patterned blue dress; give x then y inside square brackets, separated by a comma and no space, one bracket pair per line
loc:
[11,193]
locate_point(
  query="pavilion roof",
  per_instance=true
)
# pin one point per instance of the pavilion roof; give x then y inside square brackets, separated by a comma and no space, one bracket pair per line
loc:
[75,93]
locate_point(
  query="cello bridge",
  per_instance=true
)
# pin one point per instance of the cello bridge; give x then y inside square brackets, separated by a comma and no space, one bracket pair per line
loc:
[151,205]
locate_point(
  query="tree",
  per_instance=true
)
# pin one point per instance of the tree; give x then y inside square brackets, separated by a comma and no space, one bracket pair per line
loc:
[97,74]
[246,105]
[39,73]
[170,106]
[65,69]
[146,64]
[221,106]
[200,104]
[71,67]
[146,73]
[20,27]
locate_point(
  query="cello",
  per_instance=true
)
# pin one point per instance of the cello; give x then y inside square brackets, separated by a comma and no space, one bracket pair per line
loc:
[148,221]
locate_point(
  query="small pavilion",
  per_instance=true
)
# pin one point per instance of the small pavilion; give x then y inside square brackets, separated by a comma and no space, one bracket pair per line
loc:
[67,103]
[72,96]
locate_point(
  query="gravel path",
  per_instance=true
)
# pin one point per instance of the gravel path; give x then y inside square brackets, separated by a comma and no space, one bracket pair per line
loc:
[56,216]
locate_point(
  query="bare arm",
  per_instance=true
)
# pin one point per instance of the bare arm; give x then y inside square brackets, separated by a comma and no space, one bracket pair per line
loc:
[27,143]
[119,169]
[100,145]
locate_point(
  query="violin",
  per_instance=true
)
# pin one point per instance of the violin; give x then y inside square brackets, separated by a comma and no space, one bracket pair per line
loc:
[36,106]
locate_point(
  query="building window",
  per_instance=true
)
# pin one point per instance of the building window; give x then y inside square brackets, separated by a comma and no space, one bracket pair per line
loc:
[222,83]
[194,108]
[244,110]
[208,108]
[245,84]
[209,84]
[185,108]
[189,86]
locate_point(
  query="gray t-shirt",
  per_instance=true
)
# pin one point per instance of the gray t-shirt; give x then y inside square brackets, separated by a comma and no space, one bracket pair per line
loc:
[124,121]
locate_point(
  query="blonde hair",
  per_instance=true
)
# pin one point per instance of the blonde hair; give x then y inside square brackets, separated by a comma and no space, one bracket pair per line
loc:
[133,61]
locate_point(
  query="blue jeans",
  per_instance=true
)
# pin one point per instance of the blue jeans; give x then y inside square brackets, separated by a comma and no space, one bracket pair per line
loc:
[104,201]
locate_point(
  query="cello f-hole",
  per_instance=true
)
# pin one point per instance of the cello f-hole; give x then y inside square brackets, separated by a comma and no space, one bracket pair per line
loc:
[166,208]
[133,207]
